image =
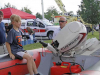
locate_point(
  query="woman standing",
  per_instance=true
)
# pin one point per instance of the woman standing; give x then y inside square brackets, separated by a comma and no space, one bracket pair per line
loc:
[31,32]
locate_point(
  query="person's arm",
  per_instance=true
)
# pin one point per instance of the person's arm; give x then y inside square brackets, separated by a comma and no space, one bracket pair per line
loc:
[9,41]
[9,51]
[29,32]
[32,32]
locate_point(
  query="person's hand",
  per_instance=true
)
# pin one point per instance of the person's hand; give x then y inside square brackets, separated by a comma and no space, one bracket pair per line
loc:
[7,29]
[12,56]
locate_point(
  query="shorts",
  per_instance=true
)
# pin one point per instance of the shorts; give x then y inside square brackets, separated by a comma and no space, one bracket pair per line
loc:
[19,55]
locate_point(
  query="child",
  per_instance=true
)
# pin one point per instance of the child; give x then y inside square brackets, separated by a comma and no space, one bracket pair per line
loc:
[2,30]
[14,45]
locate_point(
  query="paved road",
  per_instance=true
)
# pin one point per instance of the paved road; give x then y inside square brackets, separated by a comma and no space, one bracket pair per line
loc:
[3,50]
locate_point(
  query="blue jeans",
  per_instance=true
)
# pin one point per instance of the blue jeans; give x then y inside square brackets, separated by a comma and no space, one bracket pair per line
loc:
[35,40]
[33,36]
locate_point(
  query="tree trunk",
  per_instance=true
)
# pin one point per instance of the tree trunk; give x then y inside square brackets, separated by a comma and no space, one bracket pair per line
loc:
[99,34]
[92,29]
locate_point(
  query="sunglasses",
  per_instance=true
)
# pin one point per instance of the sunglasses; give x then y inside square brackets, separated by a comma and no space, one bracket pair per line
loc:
[62,21]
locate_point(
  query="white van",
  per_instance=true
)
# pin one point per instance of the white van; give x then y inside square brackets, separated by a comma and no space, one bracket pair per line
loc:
[6,21]
[41,27]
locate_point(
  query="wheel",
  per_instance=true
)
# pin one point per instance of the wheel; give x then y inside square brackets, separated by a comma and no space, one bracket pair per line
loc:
[50,35]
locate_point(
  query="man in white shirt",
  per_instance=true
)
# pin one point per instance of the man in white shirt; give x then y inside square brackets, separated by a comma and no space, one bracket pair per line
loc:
[62,23]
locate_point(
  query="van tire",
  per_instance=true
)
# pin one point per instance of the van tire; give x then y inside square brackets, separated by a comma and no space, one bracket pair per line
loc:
[50,35]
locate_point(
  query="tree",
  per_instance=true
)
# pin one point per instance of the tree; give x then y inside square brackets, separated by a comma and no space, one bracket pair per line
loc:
[25,9]
[38,15]
[71,13]
[50,12]
[7,6]
[89,11]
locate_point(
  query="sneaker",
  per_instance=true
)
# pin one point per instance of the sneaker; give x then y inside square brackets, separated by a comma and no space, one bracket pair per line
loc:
[37,74]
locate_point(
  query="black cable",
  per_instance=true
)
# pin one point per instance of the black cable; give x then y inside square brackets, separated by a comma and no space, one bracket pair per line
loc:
[70,70]
[77,64]
[70,62]
[70,65]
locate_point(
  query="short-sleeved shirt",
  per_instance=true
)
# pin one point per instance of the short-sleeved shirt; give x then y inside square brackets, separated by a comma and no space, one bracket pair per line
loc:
[2,33]
[31,31]
[56,32]
[14,38]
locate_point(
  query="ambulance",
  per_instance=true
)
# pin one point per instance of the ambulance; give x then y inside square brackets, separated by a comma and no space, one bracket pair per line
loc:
[42,28]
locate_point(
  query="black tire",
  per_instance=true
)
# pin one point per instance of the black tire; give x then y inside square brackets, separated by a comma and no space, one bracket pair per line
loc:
[50,35]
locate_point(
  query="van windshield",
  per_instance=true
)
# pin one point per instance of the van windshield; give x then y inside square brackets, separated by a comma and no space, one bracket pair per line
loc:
[47,23]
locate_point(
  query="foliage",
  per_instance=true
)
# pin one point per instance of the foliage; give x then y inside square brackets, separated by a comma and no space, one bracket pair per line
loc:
[38,15]
[89,11]
[71,13]
[7,6]
[96,34]
[50,12]
[27,10]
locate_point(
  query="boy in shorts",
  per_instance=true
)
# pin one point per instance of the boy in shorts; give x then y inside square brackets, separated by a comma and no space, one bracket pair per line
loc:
[14,45]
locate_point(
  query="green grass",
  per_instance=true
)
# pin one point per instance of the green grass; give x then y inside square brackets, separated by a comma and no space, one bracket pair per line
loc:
[35,45]
[95,34]
[38,45]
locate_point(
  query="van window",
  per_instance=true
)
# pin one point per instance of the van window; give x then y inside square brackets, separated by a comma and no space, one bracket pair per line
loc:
[41,25]
[30,23]
[23,24]
[34,24]
[47,23]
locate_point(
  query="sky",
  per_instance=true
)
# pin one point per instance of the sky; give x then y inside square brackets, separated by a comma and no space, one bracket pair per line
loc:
[35,5]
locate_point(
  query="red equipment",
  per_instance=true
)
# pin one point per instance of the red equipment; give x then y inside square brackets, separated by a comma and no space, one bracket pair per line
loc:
[17,67]
[64,67]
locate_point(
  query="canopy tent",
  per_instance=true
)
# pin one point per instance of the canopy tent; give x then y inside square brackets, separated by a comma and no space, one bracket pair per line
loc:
[9,11]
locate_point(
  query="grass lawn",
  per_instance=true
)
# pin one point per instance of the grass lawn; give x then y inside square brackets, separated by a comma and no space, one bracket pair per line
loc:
[38,45]
[35,45]
[95,34]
